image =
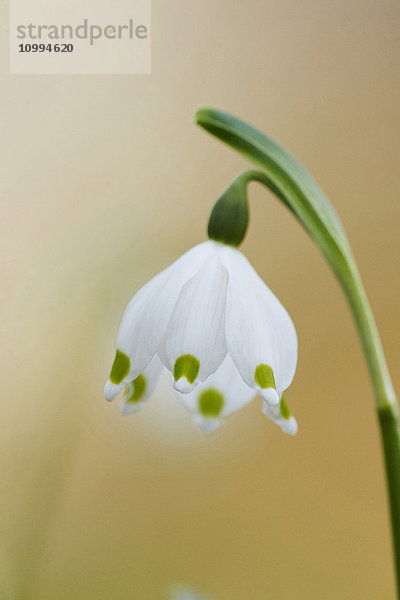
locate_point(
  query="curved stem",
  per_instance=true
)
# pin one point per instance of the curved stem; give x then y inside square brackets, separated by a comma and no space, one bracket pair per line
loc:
[284,176]
[351,283]
[385,399]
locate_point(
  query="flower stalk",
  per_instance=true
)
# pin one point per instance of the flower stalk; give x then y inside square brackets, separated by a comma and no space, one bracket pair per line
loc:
[281,174]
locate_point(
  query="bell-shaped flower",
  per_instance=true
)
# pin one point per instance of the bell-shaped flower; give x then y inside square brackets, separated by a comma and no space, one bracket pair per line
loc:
[219,330]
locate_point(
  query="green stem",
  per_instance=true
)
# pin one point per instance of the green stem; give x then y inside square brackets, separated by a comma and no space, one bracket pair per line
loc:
[287,179]
[351,283]
[385,400]
[386,403]
[389,423]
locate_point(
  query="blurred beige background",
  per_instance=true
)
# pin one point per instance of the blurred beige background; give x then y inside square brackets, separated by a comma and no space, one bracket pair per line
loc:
[105,180]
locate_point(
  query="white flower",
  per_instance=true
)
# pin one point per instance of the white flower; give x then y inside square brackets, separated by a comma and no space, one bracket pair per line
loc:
[219,330]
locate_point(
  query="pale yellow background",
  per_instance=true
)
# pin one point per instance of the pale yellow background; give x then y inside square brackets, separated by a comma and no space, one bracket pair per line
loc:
[105,180]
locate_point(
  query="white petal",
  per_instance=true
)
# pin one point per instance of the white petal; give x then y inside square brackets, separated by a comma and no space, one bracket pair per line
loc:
[207,425]
[141,388]
[283,418]
[194,343]
[259,332]
[148,312]
[111,390]
[221,394]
